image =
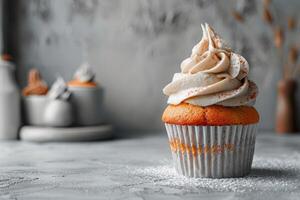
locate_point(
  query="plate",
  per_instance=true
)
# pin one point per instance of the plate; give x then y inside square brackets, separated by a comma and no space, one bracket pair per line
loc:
[66,134]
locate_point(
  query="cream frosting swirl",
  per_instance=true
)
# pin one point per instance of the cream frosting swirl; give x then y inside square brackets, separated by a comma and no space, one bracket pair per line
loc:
[212,75]
[59,90]
[85,73]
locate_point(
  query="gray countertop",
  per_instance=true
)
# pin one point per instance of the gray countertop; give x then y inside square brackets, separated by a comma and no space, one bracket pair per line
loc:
[140,168]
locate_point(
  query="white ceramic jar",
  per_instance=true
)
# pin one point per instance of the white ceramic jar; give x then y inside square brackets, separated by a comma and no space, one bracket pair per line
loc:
[33,109]
[10,108]
[58,113]
[88,105]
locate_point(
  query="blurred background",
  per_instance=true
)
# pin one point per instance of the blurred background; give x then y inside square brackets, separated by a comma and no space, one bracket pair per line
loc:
[135,46]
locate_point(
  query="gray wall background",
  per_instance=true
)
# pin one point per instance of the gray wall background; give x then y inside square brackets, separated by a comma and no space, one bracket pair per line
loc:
[135,46]
[1,41]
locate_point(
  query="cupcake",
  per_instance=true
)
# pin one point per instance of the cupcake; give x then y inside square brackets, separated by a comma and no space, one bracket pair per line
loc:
[58,111]
[210,120]
[34,98]
[86,97]
[84,77]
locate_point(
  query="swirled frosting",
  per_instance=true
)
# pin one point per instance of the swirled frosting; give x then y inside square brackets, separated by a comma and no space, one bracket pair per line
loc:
[59,90]
[36,85]
[83,77]
[84,73]
[212,75]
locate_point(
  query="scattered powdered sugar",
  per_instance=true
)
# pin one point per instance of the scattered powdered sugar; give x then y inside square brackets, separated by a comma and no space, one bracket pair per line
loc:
[280,174]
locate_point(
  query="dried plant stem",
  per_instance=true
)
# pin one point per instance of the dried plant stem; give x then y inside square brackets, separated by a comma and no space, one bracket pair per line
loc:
[267,16]
[293,54]
[278,37]
[266,2]
[291,23]
[237,16]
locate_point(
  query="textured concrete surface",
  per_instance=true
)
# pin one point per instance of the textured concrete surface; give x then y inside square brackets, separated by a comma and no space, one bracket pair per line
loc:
[135,47]
[139,168]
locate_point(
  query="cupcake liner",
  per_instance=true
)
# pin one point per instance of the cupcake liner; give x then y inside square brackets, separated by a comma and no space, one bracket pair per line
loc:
[212,151]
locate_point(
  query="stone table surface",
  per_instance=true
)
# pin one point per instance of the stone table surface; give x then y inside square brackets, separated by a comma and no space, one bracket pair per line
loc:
[140,168]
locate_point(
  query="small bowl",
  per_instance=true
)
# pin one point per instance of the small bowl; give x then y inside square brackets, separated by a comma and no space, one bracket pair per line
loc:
[34,107]
[87,104]
[58,113]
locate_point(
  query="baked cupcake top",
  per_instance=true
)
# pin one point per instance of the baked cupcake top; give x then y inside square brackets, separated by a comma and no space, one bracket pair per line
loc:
[212,75]
[83,77]
[36,85]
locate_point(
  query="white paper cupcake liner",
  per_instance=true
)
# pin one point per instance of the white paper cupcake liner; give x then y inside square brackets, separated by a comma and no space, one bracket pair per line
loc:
[212,151]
